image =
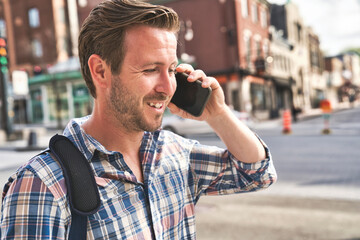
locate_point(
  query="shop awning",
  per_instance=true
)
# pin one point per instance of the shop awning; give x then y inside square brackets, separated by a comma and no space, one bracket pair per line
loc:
[44,78]
[283,82]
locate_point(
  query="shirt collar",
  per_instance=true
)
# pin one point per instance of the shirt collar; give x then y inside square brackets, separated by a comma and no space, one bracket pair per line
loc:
[88,145]
[84,142]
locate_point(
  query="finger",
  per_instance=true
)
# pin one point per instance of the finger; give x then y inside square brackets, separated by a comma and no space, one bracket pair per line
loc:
[186,68]
[197,75]
[173,108]
[176,110]
[206,82]
[209,82]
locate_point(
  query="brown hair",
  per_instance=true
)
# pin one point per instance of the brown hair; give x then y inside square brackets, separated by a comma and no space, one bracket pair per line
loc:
[103,31]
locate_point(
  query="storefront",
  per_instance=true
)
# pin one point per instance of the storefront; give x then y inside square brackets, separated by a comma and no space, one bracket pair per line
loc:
[283,95]
[260,93]
[56,98]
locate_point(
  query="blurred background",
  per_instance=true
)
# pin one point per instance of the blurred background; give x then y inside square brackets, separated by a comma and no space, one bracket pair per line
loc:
[289,69]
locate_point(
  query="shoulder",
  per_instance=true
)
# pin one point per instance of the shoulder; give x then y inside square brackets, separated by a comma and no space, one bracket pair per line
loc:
[41,170]
[168,137]
[35,194]
[170,146]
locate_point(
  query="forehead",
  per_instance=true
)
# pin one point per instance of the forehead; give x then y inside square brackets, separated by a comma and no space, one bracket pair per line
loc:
[144,40]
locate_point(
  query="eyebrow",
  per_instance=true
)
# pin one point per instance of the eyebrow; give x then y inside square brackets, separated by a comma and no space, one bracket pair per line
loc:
[160,63]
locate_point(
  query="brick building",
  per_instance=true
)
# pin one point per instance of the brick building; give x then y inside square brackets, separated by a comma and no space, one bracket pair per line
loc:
[42,37]
[231,42]
[228,39]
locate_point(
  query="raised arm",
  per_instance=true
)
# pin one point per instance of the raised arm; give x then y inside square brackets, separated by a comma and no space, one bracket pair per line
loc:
[238,138]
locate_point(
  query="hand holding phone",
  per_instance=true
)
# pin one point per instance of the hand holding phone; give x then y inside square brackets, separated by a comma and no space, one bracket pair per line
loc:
[190,96]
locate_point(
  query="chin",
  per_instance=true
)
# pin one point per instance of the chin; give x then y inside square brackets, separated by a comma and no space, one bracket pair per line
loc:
[148,126]
[155,126]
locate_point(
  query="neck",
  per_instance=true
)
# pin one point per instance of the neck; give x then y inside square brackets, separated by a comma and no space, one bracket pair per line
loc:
[113,137]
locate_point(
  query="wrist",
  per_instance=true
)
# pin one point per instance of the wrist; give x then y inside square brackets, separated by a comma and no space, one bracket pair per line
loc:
[220,116]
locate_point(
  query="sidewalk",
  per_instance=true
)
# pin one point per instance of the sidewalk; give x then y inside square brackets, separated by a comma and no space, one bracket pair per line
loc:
[277,122]
[261,216]
[34,138]
[309,114]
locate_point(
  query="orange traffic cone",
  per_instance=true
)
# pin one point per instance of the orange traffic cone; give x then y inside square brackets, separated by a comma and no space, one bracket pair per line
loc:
[286,122]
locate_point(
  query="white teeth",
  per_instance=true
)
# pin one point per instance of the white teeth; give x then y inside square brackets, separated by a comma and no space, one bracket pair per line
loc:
[157,105]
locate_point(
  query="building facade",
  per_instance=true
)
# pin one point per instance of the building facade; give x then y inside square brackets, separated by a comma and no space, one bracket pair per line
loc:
[230,42]
[334,80]
[252,20]
[286,18]
[263,55]
[280,63]
[342,73]
[42,36]
[317,79]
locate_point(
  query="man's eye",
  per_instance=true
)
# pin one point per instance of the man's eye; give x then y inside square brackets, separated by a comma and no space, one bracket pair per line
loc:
[150,70]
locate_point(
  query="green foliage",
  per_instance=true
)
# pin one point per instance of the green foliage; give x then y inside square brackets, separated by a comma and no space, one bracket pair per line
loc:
[353,50]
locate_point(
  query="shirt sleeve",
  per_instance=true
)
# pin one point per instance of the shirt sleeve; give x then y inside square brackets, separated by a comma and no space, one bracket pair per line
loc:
[216,171]
[29,210]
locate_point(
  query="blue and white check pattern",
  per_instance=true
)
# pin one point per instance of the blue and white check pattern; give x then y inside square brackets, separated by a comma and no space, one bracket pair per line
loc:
[176,172]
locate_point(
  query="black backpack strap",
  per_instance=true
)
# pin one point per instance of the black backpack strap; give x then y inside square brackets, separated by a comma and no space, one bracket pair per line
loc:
[80,182]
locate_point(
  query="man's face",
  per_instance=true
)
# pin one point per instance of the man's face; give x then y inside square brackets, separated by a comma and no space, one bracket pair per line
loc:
[146,83]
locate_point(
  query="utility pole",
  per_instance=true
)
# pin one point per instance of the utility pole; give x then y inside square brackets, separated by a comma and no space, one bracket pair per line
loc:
[5,103]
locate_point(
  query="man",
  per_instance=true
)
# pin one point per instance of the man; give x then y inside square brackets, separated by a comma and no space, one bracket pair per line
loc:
[149,180]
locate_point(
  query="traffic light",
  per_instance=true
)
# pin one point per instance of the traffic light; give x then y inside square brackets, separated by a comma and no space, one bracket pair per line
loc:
[6,117]
[3,56]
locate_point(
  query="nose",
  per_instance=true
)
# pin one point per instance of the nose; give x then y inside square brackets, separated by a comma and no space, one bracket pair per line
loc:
[166,84]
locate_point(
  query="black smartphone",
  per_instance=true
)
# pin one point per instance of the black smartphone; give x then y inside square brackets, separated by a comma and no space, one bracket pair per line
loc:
[190,96]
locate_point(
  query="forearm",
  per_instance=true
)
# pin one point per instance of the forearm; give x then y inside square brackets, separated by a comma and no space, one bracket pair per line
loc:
[238,138]
[218,172]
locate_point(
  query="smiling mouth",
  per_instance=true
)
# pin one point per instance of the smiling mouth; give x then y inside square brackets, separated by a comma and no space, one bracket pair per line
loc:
[156,105]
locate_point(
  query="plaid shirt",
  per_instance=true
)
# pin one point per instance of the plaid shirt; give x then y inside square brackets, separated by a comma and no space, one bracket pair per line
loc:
[176,172]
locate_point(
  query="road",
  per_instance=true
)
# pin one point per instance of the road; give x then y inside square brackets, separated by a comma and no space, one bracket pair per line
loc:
[317,195]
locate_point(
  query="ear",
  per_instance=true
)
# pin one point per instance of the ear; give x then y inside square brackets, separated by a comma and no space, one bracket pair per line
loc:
[98,68]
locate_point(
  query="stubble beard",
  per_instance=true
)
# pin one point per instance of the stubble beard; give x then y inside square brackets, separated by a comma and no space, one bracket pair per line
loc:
[124,106]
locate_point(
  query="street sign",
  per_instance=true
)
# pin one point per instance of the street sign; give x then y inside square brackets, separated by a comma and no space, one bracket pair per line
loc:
[20,83]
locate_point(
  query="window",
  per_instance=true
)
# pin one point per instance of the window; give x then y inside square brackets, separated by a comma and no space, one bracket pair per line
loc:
[34,20]
[258,48]
[244,8]
[61,14]
[2,28]
[37,48]
[258,96]
[83,3]
[314,57]
[248,50]
[266,49]
[254,13]
[298,31]
[235,97]
[263,17]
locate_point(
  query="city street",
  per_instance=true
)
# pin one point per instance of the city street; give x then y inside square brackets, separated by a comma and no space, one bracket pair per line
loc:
[317,195]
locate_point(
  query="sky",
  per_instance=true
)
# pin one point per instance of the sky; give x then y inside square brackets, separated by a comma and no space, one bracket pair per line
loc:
[336,22]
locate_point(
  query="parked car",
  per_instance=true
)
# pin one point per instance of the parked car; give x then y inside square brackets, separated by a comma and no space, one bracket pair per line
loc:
[186,127]
[245,118]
